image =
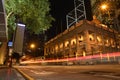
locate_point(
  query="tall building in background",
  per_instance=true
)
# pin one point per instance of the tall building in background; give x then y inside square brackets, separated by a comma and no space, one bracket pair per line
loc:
[19,39]
[3,28]
[108,12]
[3,32]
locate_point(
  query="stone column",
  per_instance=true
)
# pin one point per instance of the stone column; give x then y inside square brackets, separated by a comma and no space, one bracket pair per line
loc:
[87,43]
[95,42]
[63,49]
[70,53]
[77,45]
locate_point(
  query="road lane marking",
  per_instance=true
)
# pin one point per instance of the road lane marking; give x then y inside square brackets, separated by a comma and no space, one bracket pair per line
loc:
[19,75]
[42,72]
[110,76]
[25,75]
[72,72]
[34,71]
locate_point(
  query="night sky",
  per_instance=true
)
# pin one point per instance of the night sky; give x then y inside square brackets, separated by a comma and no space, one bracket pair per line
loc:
[59,10]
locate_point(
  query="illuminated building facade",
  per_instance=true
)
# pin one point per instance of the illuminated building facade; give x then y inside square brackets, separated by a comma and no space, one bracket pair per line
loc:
[108,12]
[83,39]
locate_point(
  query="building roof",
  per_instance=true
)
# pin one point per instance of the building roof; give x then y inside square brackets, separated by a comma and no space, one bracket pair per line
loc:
[80,23]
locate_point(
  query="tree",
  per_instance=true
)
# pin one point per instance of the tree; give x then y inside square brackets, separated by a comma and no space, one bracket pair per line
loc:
[33,13]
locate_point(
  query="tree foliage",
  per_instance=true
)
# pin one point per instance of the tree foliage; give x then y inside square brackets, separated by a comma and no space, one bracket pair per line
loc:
[33,13]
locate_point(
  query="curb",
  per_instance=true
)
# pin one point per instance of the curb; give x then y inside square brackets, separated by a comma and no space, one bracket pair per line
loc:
[24,75]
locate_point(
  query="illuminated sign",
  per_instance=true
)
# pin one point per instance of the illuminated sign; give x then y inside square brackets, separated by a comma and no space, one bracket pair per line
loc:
[10,44]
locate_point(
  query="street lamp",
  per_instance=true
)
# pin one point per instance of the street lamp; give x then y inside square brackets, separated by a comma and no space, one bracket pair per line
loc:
[105,8]
[32,46]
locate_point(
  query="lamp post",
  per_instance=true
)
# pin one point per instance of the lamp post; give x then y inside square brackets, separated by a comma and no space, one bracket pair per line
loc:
[105,7]
[32,46]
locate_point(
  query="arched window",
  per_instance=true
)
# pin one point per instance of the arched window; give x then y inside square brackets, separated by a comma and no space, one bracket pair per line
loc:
[61,45]
[80,38]
[73,41]
[91,37]
[66,43]
[99,39]
[56,47]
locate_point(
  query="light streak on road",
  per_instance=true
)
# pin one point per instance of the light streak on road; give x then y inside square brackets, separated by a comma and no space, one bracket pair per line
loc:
[115,54]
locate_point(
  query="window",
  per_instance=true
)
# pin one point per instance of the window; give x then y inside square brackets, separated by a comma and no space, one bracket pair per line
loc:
[99,39]
[112,42]
[61,45]
[107,41]
[73,41]
[67,44]
[56,47]
[80,38]
[91,37]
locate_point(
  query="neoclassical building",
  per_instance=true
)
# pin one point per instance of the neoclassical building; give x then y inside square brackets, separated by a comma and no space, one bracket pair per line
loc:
[83,39]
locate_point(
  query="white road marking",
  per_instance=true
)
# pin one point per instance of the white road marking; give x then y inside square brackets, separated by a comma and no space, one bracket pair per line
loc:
[72,72]
[110,76]
[42,72]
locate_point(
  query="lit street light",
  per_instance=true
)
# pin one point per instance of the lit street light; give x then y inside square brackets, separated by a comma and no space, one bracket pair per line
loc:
[32,46]
[104,7]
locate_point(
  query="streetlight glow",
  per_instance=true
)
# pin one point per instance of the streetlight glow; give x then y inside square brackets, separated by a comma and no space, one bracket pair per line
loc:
[104,6]
[32,46]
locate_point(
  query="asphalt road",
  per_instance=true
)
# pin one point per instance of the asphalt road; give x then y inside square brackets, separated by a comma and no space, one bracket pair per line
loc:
[10,74]
[91,72]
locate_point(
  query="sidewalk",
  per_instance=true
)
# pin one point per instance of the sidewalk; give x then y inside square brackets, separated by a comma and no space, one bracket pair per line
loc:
[23,74]
[9,73]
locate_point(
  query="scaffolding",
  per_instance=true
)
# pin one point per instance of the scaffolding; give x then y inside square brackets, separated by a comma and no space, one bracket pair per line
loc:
[78,13]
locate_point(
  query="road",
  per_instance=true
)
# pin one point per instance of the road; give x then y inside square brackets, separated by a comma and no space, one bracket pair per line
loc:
[10,74]
[90,72]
